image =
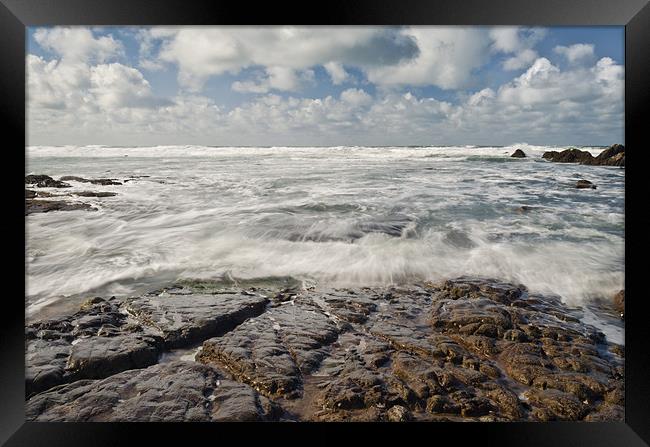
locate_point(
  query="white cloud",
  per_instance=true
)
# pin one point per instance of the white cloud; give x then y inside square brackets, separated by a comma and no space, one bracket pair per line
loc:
[277,78]
[440,56]
[579,52]
[337,72]
[517,41]
[545,83]
[446,59]
[356,97]
[59,85]
[78,44]
[201,52]
[521,60]
[116,86]
[82,97]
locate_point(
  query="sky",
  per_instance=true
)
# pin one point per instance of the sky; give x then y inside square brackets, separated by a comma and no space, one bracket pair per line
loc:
[323,86]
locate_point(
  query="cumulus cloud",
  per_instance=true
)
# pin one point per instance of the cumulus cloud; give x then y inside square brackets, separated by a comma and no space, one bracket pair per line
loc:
[201,52]
[78,44]
[356,97]
[579,52]
[83,96]
[58,85]
[446,58]
[517,41]
[115,86]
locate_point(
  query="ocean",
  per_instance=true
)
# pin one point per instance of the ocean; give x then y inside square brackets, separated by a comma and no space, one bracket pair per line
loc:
[336,216]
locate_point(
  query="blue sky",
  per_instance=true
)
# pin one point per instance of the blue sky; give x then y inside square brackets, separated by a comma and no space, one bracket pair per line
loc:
[325,86]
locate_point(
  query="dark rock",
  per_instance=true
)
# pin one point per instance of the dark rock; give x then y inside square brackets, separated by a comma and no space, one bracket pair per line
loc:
[585,184]
[99,181]
[465,349]
[571,155]
[170,392]
[95,194]
[272,351]
[611,152]
[44,181]
[518,154]
[183,318]
[93,343]
[612,156]
[45,206]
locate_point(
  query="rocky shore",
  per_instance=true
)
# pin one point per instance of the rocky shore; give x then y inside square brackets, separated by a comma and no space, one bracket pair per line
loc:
[465,349]
[34,202]
[612,156]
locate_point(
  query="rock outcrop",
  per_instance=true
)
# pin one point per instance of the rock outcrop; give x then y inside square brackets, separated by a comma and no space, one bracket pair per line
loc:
[612,156]
[98,181]
[45,206]
[171,392]
[45,181]
[95,194]
[95,342]
[518,154]
[465,349]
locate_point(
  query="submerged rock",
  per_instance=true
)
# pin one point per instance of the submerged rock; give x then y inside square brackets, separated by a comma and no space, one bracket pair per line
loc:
[585,184]
[525,209]
[518,154]
[464,349]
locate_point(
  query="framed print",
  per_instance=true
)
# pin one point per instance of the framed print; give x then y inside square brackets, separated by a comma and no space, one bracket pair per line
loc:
[372,215]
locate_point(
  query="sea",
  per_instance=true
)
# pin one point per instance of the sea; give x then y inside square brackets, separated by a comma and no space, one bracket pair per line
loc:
[332,216]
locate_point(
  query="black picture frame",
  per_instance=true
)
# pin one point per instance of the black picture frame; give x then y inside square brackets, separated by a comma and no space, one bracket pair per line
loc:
[16,15]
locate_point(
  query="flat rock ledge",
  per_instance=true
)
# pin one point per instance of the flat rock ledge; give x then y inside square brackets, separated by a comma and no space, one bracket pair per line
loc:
[468,349]
[34,202]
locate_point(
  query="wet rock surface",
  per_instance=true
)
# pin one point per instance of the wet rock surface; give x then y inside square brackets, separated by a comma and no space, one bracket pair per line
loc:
[45,181]
[183,316]
[464,349]
[95,342]
[585,184]
[170,392]
[33,206]
[98,181]
[95,194]
[518,154]
[612,156]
